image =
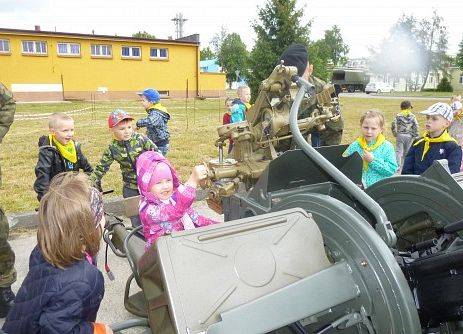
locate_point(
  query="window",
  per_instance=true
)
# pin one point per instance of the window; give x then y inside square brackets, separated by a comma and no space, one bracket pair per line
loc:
[101,50]
[156,53]
[68,49]
[4,46]
[34,47]
[131,52]
[461,78]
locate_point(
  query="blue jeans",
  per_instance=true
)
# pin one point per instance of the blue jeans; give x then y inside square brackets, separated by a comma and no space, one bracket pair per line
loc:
[163,147]
[315,139]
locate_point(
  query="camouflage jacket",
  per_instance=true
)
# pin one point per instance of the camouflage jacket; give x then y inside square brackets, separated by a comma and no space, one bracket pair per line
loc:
[125,152]
[310,104]
[405,124]
[7,109]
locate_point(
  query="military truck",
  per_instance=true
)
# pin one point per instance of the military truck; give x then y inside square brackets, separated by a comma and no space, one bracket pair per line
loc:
[350,79]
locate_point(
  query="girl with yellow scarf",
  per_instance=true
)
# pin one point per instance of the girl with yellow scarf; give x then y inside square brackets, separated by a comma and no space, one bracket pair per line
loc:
[377,153]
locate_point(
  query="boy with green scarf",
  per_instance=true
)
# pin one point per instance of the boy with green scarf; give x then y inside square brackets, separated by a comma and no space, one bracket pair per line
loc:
[58,153]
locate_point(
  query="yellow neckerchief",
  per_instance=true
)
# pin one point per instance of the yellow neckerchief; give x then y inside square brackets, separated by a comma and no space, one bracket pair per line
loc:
[67,151]
[158,106]
[247,105]
[444,137]
[364,145]
[406,112]
[458,116]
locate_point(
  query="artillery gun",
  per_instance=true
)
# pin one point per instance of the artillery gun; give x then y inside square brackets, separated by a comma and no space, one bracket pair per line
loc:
[265,134]
[304,250]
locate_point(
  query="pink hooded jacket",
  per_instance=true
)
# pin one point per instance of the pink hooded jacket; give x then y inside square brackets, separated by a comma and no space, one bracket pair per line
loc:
[159,218]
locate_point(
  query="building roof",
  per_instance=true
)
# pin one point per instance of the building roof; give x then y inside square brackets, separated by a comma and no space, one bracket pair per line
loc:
[190,40]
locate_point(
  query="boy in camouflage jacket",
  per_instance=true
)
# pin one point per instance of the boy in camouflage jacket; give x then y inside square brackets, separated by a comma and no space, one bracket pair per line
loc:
[7,271]
[125,148]
[405,129]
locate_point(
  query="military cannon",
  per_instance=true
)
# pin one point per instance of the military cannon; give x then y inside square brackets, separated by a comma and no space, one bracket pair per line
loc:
[264,134]
[304,250]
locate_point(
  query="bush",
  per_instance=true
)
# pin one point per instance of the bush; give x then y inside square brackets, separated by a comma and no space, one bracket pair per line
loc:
[444,85]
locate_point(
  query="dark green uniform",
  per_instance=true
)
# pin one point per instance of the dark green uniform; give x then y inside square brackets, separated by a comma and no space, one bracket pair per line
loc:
[7,272]
[332,134]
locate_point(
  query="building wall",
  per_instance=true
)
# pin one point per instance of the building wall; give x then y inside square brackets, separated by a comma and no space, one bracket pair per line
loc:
[457,79]
[212,84]
[36,77]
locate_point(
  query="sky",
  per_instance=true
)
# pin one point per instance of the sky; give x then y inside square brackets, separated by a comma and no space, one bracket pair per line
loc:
[363,23]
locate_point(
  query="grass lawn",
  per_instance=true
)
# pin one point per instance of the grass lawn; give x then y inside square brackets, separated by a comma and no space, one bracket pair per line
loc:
[192,127]
[444,95]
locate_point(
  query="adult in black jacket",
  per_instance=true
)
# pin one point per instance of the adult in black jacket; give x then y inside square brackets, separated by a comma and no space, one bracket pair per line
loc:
[51,162]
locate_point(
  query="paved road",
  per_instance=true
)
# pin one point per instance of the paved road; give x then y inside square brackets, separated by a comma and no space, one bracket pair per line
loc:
[112,307]
[393,97]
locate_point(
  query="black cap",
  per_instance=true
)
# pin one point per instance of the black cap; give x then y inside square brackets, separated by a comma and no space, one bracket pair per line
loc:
[406,105]
[296,55]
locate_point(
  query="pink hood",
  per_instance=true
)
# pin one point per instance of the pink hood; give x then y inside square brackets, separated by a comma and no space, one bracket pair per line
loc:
[146,164]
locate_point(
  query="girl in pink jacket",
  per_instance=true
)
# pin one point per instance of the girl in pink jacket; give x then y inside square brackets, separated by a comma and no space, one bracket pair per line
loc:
[165,203]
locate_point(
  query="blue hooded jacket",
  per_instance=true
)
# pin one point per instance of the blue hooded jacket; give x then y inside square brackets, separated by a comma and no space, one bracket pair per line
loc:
[56,301]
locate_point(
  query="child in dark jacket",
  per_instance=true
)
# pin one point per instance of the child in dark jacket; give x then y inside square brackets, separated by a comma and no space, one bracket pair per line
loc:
[165,203]
[435,144]
[156,122]
[58,153]
[63,289]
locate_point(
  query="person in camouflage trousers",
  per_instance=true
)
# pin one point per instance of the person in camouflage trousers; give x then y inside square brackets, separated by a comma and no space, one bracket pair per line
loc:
[125,148]
[332,134]
[7,257]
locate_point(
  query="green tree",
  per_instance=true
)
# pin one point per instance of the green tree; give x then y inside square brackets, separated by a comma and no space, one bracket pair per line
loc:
[413,49]
[233,57]
[459,57]
[143,34]
[278,26]
[433,37]
[400,55]
[327,52]
[217,40]
[444,85]
[335,48]
[319,58]
[206,53]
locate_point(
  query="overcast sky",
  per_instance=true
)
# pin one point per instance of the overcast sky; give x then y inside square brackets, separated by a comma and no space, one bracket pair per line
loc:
[363,23]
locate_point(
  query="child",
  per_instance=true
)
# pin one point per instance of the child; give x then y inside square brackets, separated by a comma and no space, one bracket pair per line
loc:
[125,148]
[63,290]
[165,204]
[58,153]
[241,105]
[435,144]
[405,129]
[156,122]
[456,128]
[377,153]
[226,119]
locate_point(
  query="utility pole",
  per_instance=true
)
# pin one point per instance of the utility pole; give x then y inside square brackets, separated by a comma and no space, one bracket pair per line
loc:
[179,20]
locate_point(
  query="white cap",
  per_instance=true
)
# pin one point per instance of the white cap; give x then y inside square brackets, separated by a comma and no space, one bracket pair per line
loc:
[440,108]
[456,105]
